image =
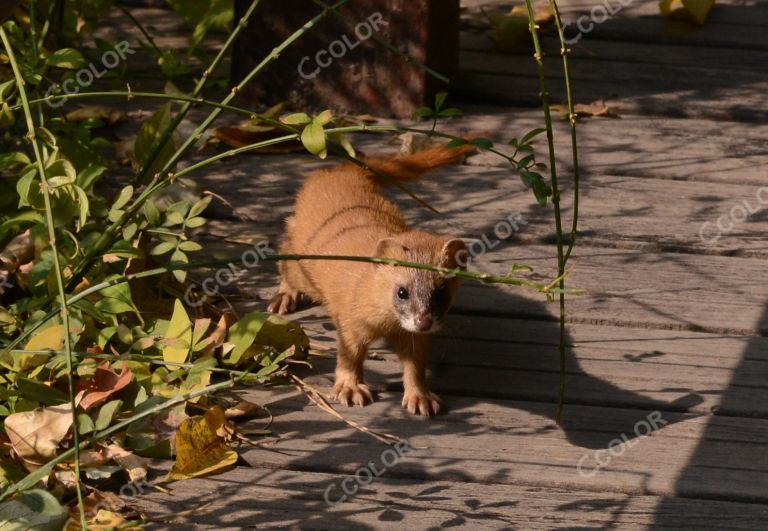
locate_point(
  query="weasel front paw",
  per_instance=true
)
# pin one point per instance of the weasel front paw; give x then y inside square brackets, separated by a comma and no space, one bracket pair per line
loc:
[421,403]
[349,393]
[284,302]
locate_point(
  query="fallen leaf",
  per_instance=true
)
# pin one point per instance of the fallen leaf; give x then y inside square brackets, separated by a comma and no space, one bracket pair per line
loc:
[133,464]
[697,10]
[585,110]
[95,112]
[104,382]
[35,435]
[242,409]
[201,446]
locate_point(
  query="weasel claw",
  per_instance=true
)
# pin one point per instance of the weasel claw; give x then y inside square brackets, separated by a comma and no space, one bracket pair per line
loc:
[421,403]
[352,393]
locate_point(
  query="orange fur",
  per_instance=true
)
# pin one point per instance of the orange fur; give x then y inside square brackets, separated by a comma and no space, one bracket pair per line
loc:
[339,211]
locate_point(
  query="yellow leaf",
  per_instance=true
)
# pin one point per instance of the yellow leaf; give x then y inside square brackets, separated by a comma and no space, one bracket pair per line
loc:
[52,338]
[201,446]
[35,435]
[699,9]
[178,337]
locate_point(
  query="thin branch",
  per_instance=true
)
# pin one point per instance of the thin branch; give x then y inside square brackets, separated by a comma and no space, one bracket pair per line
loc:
[539,58]
[57,269]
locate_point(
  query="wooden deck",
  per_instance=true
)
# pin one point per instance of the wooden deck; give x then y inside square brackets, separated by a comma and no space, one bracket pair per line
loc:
[673,330]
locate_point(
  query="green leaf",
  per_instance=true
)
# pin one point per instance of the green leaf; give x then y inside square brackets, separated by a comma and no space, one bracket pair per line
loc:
[107,413]
[84,423]
[193,223]
[39,392]
[324,117]
[149,136]
[34,509]
[28,190]
[88,177]
[266,331]
[162,248]
[298,118]
[439,100]
[450,112]
[456,142]
[482,143]
[178,336]
[313,138]
[179,257]
[199,206]
[123,198]
[66,58]
[531,134]
[422,112]
[116,299]
[83,206]
[152,213]
[190,246]
[129,231]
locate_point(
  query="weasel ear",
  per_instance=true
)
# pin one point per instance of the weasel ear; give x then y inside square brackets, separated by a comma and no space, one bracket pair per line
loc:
[389,248]
[454,254]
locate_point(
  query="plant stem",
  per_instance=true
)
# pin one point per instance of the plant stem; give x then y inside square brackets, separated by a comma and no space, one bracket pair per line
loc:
[565,52]
[168,132]
[485,278]
[538,57]
[163,178]
[141,28]
[56,264]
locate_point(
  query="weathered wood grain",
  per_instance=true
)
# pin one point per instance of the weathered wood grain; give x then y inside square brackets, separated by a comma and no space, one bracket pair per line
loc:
[262,497]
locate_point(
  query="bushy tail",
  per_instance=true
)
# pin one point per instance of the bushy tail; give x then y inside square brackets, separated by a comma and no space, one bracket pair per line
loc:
[411,167]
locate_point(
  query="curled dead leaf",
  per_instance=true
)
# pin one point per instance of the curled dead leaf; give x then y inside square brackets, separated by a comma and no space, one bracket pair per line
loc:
[104,382]
[201,446]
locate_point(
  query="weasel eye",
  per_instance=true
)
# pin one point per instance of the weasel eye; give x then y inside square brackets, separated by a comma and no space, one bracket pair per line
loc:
[402,294]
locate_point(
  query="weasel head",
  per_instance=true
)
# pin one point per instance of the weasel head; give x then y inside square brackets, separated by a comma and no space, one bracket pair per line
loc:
[420,298]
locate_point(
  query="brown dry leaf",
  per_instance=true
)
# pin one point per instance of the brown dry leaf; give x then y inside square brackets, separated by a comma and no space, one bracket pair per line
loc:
[585,110]
[218,336]
[242,409]
[133,464]
[98,499]
[201,446]
[35,435]
[247,134]
[98,112]
[103,384]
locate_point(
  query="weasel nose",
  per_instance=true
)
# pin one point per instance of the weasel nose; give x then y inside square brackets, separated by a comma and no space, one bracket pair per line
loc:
[423,322]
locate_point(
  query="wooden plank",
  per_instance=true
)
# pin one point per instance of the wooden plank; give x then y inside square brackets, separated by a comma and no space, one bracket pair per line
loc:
[518,360]
[664,98]
[514,443]
[724,60]
[275,499]
[731,23]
